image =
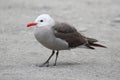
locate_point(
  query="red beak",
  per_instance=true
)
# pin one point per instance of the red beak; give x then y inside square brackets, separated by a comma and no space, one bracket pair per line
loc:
[31,24]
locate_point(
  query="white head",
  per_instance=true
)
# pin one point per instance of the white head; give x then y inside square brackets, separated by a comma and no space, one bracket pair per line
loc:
[43,20]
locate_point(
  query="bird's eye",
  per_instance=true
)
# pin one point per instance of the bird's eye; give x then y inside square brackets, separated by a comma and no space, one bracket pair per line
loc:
[41,20]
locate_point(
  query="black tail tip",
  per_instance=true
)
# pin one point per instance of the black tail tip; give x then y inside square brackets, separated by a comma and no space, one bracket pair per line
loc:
[98,45]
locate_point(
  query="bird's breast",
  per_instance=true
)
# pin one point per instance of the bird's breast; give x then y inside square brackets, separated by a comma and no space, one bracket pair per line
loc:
[46,37]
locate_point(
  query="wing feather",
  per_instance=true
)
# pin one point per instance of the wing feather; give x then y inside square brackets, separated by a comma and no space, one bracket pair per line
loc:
[69,34]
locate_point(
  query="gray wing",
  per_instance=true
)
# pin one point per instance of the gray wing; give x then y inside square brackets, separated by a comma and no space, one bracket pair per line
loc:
[69,34]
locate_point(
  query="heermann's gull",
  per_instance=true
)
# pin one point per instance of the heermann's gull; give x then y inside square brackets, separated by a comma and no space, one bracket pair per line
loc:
[59,36]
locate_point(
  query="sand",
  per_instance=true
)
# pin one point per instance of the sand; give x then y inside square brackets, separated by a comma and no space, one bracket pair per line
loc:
[20,52]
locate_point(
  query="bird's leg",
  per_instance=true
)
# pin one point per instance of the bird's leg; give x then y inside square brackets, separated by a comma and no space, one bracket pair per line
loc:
[56,58]
[47,62]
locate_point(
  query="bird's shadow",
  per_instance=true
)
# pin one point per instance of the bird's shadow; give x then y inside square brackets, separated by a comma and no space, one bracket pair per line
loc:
[62,64]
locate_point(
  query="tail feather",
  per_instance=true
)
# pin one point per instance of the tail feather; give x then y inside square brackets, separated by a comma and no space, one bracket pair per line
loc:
[91,42]
[89,46]
[97,45]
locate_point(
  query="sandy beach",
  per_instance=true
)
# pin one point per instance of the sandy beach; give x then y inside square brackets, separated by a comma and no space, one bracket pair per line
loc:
[20,52]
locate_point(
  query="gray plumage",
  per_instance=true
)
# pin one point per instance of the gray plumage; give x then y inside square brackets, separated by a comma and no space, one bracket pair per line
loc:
[72,36]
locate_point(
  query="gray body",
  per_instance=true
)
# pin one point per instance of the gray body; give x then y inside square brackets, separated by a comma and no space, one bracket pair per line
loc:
[61,36]
[46,36]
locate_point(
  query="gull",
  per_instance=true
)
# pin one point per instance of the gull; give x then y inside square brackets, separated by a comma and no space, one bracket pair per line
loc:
[58,36]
